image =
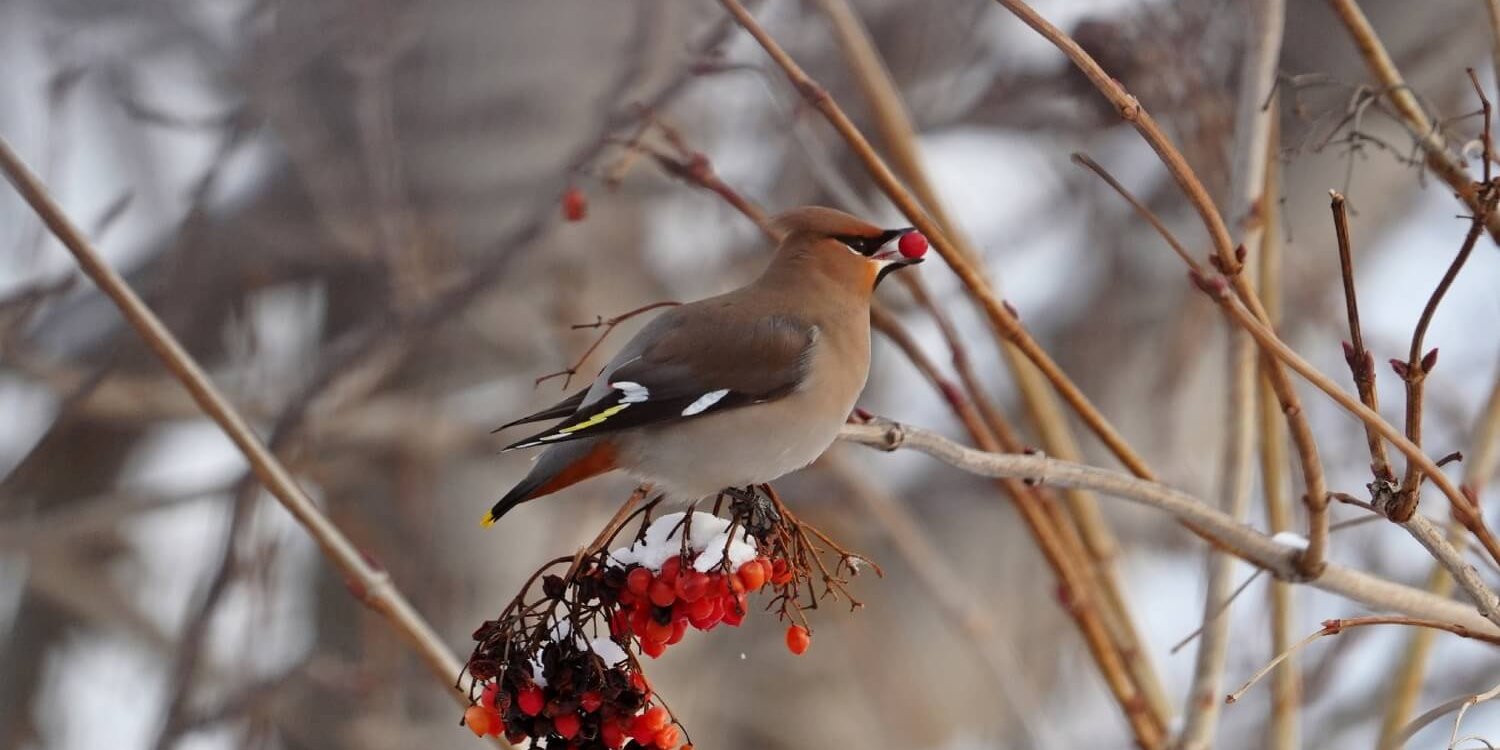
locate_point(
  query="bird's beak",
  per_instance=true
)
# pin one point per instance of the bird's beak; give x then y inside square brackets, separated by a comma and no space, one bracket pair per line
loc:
[890,257]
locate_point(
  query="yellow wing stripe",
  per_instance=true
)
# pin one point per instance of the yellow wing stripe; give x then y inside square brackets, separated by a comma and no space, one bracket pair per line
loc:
[596,419]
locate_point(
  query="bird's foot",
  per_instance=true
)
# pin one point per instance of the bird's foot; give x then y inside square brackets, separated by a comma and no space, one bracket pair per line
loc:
[755,511]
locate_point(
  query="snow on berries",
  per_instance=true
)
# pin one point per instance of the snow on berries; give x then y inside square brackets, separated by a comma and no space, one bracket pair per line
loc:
[685,571]
[558,667]
[913,244]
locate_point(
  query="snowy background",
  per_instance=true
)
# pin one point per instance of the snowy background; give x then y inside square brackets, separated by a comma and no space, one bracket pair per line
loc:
[283,181]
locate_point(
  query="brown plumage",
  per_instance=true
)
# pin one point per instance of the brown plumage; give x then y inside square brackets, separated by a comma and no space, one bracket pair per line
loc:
[732,390]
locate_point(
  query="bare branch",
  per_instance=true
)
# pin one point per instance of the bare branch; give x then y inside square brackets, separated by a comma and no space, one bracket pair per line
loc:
[374,587]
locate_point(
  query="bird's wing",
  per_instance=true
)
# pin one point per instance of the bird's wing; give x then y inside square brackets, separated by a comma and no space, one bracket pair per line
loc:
[688,366]
[558,410]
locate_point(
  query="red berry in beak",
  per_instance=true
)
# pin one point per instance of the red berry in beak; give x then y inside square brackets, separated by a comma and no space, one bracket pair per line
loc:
[912,245]
[574,205]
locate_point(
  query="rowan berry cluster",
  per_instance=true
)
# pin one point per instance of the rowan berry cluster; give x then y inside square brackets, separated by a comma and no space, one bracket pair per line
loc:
[657,606]
[574,694]
[558,669]
[671,582]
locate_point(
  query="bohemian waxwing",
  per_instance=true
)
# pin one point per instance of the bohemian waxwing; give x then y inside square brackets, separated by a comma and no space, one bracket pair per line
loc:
[734,390]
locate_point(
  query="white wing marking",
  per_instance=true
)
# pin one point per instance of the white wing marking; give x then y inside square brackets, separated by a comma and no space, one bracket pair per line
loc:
[705,401]
[634,392]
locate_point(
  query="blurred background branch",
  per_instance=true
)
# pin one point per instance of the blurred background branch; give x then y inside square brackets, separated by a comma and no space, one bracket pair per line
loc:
[349,214]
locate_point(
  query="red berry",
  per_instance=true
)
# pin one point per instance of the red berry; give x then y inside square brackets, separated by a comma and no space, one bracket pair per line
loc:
[691,585]
[798,639]
[641,684]
[679,629]
[733,616]
[699,610]
[566,725]
[780,572]
[653,720]
[640,619]
[752,576]
[912,244]
[487,698]
[590,701]
[711,618]
[670,569]
[515,736]
[662,594]
[531,700]
[612,735]
[480,721]
[638,581]
[575,206]
[667,738]
[657,631]
[653,649]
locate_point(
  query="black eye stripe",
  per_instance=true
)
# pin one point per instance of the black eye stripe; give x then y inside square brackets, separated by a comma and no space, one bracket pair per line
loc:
[869,245]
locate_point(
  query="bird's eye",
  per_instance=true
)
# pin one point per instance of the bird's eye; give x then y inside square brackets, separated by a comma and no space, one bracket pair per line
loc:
[868,246]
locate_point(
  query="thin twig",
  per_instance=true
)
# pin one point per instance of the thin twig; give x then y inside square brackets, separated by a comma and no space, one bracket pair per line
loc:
[1361,361]
[608,324]
[1228,259]
[1202,706]
[1462,506]
[1335,627]
[1494,8]
[1484,456]
[1284,731]
[1462,703]
[372,585]
[1419,363]
[1429,139]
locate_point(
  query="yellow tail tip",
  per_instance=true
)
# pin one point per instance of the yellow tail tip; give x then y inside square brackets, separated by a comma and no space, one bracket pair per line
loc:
[488,520]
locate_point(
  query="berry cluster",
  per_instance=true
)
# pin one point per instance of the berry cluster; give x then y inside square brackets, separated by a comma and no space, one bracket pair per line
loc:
[556,667]
[657,606]
[569,695]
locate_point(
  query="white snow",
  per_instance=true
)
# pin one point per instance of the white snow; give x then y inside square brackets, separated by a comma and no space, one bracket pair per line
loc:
[709,536]
[607,649]
[1289,539]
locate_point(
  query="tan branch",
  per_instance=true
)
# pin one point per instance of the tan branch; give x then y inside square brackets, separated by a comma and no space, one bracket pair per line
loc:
[1384,70]
[372,585]
[1222,530]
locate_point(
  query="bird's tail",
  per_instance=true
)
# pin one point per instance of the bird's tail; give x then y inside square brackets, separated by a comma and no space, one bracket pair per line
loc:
[559,466]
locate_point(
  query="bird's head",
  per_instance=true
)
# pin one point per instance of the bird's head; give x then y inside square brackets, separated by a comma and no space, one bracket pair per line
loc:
[849,250]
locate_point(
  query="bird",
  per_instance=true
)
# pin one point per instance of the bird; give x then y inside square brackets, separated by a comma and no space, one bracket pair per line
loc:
[735,390]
